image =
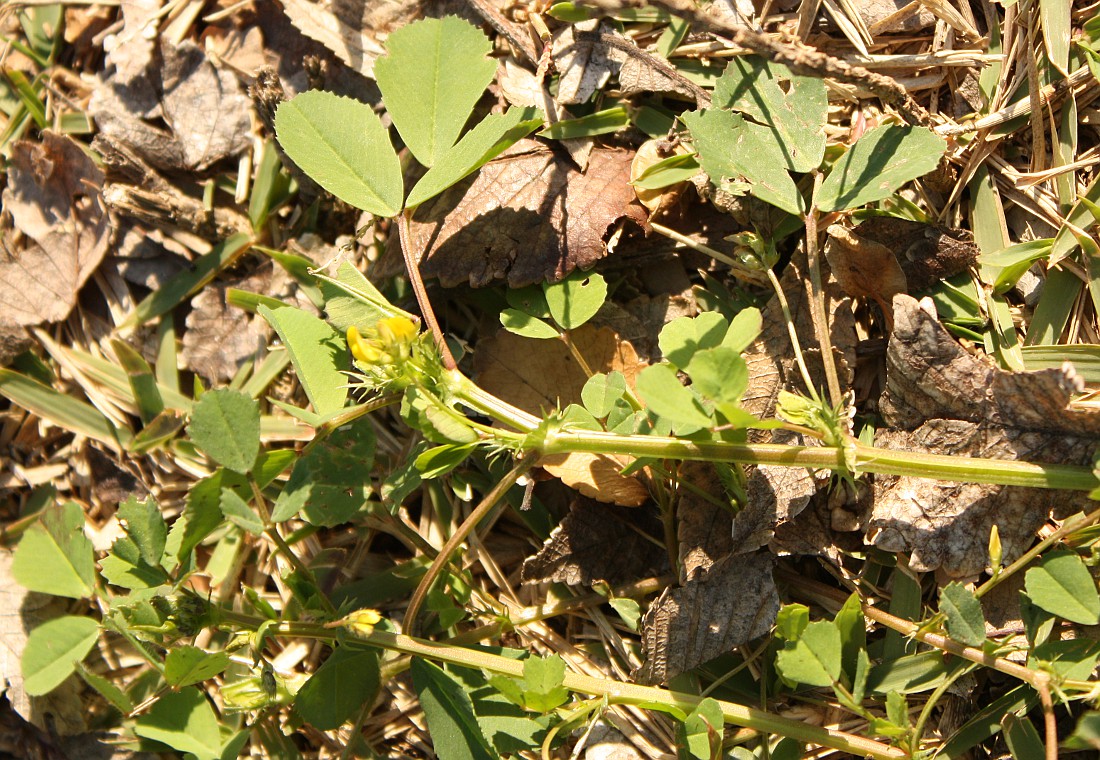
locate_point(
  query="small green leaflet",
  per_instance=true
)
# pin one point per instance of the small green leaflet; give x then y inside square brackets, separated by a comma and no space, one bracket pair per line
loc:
[1062,585]
[576,299]
[664,395]
[225,424]
[815,659]
[526,325]
[53,650]
[877,166]
[186,665]
[449,711]
[331,482]
[347,680]
[341,144]
[319,354]
[185,721]
[54,557]
[145,526]
[965,620]
[433,74]
[683,336]
[495,134]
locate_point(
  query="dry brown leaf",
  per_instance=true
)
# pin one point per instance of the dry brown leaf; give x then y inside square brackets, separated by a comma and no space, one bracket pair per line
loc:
[864,268]
[703,527]
[597,542]
[598,476]
[528,216]
[584,62]
[732,603]
[207,114]
[53,197]
[927,253]
[548,377]
[221,338]
[958,404]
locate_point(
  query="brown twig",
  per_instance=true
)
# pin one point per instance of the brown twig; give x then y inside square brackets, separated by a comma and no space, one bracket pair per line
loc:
[799,58]
[507,29]
[412,265]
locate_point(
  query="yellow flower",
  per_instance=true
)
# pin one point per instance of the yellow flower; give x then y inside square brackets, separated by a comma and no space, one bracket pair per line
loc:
[394,330]
[366,351]
[362,621]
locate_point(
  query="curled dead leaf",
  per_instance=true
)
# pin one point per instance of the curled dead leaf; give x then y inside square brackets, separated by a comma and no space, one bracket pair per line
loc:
[528,216]
[947,401]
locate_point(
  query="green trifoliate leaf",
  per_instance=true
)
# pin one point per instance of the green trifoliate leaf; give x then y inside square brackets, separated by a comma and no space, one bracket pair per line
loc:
[793,108]
[54,557]
[965,620]
[576,299]
[225,425]
[665,396]
[433,74]
[683,336]
[876,167]
[341,144]
[495,134]
[731,148]
[1063,586]
[53,651]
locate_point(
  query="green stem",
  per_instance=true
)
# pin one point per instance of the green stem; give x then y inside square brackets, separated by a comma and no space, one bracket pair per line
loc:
[865,458]
[616,692]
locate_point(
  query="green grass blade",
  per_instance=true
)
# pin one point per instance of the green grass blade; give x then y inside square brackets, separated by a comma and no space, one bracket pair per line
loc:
[172,293]
[61,410]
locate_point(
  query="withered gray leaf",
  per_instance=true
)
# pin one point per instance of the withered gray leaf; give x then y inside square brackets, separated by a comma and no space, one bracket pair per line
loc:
[958,404]
[599,542]
[528,216]
[220,338]
[704,526]
[584,61]
[203,106]
[734,602]
[53,197]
